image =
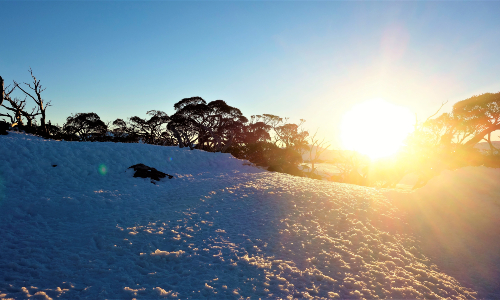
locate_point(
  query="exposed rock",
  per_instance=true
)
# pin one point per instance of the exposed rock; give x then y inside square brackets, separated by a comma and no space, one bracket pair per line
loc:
[143,171]
[4,127]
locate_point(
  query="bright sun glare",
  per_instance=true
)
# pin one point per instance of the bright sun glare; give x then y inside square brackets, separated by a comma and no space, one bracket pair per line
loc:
[376,128]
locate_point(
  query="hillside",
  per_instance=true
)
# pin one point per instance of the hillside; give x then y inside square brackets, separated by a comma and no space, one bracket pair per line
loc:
[75,223]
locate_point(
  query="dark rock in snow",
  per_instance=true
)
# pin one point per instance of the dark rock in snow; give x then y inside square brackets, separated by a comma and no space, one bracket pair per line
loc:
[4,126]
[143,171]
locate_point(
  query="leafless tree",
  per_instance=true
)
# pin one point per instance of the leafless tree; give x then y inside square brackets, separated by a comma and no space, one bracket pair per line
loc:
[350,163]
[16,105]
[37,89]
[319,146]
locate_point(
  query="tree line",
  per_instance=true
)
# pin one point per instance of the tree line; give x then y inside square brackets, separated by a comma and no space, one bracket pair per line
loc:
[438,143]
[266,140]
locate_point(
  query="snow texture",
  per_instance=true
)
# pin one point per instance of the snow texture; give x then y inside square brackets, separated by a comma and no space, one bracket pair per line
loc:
[75,224]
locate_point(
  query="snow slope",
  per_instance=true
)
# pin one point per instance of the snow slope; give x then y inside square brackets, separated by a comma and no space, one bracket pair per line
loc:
[458,213]
[221,229]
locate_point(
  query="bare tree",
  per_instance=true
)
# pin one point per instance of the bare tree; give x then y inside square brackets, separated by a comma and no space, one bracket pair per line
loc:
[349,164]
[37,88]
[318,146]
[6,96]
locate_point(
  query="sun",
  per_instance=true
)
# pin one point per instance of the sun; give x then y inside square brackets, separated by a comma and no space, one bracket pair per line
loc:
[376,128]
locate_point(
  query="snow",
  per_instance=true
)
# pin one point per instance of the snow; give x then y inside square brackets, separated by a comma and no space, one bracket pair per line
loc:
[76,224]
[458,213]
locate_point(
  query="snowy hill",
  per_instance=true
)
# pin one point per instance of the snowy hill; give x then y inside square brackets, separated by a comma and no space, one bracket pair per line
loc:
[75,224]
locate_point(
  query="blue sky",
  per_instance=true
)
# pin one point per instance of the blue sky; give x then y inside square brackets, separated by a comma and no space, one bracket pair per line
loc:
[310,60]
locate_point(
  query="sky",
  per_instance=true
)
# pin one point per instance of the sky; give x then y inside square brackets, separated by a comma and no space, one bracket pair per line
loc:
[303,60]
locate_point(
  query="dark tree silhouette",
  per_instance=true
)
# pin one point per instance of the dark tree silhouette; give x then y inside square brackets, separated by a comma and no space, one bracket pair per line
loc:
[42,105]
[6,96]
[2,96]
[122,133]
[153,131]
[255,131]
[87,126]
[17,106]
[211,126]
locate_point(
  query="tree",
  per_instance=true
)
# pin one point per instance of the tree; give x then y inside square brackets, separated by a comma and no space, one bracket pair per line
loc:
[87,126]
[255,131]
[3,91]
[17,106]
[447,141]
[37,88]
[6,96]
[352,167]
[184,130]
[318,147]
[253,141]
[479,116]
[122,133]
[211,126]
[153,131]
[287,135]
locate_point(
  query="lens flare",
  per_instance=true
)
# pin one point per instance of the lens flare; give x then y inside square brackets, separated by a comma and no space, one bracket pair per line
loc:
[102,169]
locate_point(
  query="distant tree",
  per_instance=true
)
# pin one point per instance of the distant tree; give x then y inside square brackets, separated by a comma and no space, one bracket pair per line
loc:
[212,126]
[287,135]
[87,126]
[255,131]
[253,141]
[55,131]
[352,166]
[270,141]
[317,147]
[121,132]
[153,130]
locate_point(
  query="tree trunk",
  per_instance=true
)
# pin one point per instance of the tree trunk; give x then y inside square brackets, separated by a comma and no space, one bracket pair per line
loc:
[42,119]
[478,137]
[178,137]
[228,144]
[3,92]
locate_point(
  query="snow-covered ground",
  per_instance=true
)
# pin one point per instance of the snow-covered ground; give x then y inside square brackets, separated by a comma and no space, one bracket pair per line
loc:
[75,224]
[457,214]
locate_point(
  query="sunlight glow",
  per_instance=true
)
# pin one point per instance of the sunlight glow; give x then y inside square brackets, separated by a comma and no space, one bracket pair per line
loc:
[376,128]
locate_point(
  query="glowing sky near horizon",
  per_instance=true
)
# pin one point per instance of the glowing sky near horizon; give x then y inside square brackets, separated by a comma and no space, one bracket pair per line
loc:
[309,60]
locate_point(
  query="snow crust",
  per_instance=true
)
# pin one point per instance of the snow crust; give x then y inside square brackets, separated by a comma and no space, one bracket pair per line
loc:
[75,224]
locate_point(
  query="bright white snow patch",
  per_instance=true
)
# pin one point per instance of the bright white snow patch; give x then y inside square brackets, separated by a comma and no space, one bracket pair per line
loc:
[74,223]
